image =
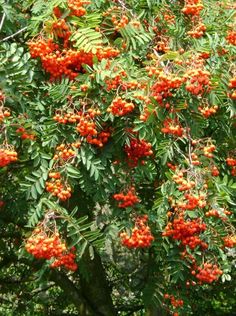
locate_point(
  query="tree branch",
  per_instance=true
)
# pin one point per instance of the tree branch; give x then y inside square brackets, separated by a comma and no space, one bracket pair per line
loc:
[13,35]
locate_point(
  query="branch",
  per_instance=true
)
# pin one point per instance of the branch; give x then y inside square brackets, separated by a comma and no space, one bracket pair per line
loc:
[2,20]
[13,35]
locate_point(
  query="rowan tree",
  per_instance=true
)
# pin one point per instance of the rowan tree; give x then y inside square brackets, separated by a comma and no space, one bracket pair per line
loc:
[117,157]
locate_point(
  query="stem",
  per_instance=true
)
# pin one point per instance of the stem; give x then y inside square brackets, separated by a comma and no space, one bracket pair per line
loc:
[2,20]
[13,35]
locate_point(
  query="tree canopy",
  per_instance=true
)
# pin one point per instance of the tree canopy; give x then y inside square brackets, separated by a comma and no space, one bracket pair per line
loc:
[117,157]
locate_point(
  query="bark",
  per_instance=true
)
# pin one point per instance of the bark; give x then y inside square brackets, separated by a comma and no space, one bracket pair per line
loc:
[73,293]
[95,286]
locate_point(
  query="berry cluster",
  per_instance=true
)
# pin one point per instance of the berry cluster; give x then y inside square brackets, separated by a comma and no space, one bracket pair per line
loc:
[208,151]
[2,97]
[121,23]
[192,202]
[100,139]
[162,88]
[184,185]
[136,150]
[76,7]
[232,85]
[120,107]
[208,273]
[141,236]
[48,245]
[114,83]
[187,232]
[7,156]
[4,113]
[67,260]
[173,127]
[231,37]
[173,301]
[195,159]
[57,188]
[207,111]
[192,7]
[128,199]
[212,213]
[232,163]
[24,134]
[215,171]
[229,241]
[42,246]
[67,117]
[61,29]
[198,80]
[198,31]
[64,152]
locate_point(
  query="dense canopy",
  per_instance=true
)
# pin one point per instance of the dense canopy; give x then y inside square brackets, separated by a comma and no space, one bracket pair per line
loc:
[117,157]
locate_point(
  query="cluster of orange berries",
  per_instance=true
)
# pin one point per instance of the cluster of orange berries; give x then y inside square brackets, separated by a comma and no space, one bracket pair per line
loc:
[162,88]
[2,96]
[174,302]
[192,202]
[100,139]
[232,163]
[67,260]
[232,85]
[76,7]
[213,213]
[171,166]
[208,151]
[229,241]
[231,37]
[67,117]
[44,246]
[67,62]
[7,156]
[198,80]
[24,134]
[198,31]
[173,127]
[195,159]
[121,23]
[120,107]
[187,232]
[136,150]
[208,273]
[4,113]
[192,7]
[215,171]
[162,45]
[65,152]
[57,188]
[127,199]
[141,236]
[61,30]
[207,111]
[184,184]
[114,83]
[86,126]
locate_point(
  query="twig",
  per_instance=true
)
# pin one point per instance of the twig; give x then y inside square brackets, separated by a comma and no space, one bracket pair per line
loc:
[13,35]
[2,20]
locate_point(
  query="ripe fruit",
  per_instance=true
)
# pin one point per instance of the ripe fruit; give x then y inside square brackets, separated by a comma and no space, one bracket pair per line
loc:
[7,155]
[128,199]
[141,236]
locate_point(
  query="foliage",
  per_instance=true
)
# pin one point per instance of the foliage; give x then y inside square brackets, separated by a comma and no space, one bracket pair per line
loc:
[117,146]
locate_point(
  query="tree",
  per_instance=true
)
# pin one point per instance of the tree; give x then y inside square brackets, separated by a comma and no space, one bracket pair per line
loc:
[117,157]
